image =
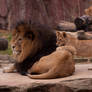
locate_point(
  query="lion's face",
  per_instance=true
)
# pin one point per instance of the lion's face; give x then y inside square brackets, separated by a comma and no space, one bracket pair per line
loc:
[16,45]
[23,43]
[21,47]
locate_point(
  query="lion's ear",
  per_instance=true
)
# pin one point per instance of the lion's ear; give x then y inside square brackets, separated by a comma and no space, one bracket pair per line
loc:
[30,35]
[57,33]
[64,34]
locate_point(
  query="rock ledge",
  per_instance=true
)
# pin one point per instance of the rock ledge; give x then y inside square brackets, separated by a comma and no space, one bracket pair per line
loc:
[81,81]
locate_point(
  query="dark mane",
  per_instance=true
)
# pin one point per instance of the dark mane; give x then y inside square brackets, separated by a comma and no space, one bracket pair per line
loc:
[48,39]
[21,22]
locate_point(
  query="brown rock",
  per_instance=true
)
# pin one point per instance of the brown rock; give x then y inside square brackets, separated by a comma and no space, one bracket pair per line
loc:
[6,60]
[83,22]
[3,44]
[81,35]
[11,11]
[81,81]
[6,57]
[66,26]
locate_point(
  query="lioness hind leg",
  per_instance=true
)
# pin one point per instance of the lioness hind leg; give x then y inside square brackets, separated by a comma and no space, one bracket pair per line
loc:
[10,70]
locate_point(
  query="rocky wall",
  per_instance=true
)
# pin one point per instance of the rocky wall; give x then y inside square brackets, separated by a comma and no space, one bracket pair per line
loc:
[43,11]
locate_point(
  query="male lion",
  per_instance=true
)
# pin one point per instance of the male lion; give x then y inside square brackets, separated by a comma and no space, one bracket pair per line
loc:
[29,43]
[83,47]
[59,63]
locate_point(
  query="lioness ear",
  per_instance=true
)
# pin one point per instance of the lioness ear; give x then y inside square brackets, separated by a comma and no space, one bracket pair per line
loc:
[57,33]
[64,34]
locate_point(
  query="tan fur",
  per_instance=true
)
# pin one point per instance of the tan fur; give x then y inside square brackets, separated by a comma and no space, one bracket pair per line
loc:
[58,64]
[28,43]
[23,46]
[26,46]
[88,11]
[83,47]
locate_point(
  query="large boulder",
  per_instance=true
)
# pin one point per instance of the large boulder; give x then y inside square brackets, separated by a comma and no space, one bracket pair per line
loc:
[66,26]
[81,81]
[3,44]
[81,35]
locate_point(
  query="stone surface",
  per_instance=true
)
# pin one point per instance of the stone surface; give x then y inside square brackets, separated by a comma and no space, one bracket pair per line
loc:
[81,81]
[6,61]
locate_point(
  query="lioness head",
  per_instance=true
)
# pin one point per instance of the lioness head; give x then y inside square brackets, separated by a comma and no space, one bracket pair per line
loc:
[64,38]
[25,41]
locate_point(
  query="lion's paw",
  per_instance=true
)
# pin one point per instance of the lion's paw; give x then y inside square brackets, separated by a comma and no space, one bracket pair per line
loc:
[6,70]
[9,70]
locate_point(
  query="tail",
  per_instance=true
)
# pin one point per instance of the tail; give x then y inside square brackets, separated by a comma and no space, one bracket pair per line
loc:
[48,75]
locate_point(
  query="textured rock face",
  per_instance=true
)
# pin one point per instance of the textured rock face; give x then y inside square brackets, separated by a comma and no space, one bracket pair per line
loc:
[81,81]
[3,44]
[43,11]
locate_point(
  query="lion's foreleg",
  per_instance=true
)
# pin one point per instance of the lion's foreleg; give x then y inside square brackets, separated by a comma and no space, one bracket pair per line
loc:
[9,70]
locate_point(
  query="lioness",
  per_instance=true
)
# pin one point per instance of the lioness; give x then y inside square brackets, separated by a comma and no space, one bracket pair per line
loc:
[83,47]
[59,63]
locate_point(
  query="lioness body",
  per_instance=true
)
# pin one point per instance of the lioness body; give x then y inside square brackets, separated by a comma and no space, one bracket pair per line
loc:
[58,64]
[83,47]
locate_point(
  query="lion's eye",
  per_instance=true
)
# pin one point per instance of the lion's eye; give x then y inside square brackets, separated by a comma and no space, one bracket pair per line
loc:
[20,39]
